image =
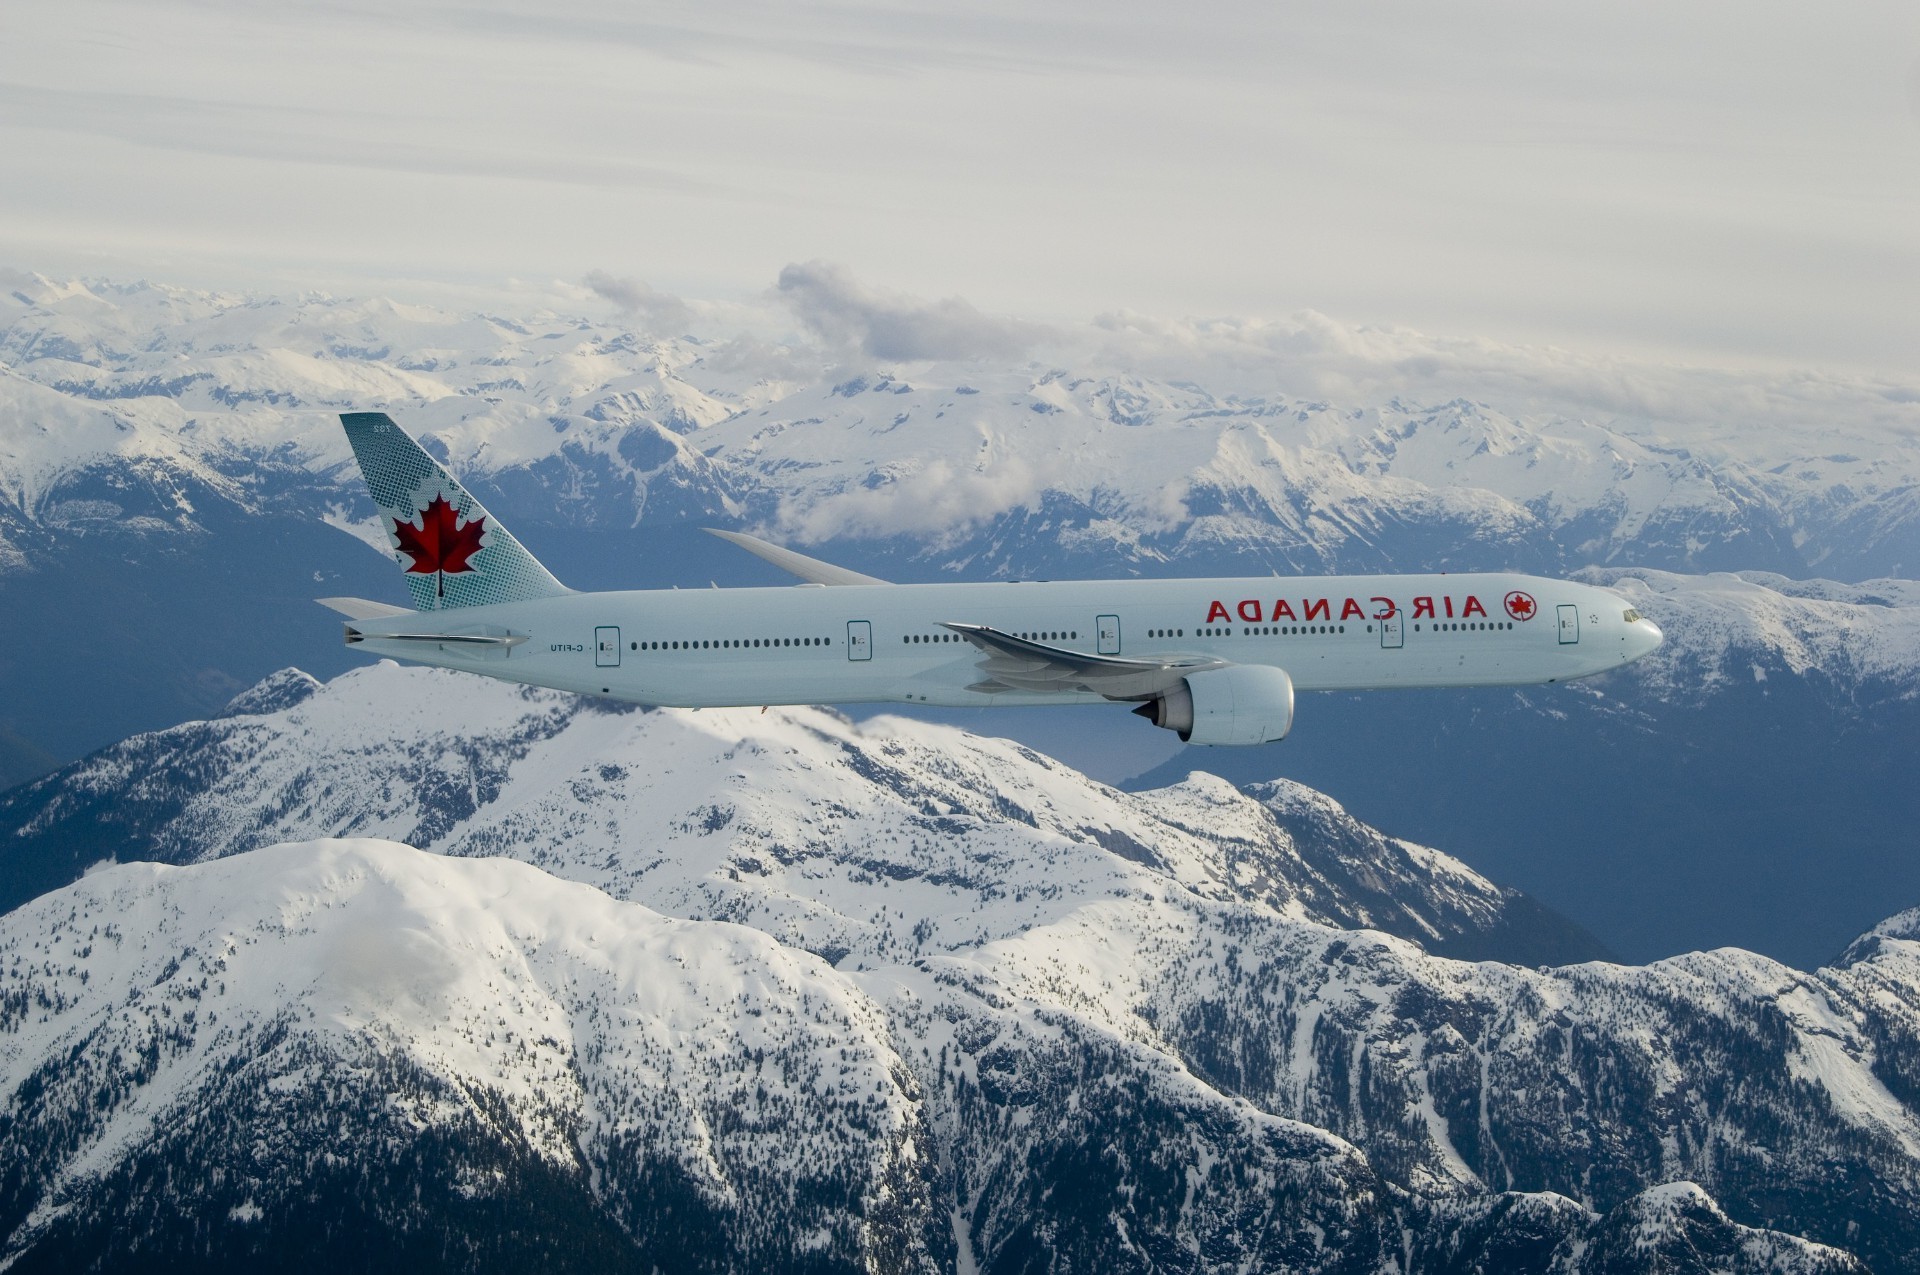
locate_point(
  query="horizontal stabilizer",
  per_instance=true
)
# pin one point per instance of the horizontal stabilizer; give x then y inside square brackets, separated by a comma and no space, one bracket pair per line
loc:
[501,641]
[362,609]
[812,570]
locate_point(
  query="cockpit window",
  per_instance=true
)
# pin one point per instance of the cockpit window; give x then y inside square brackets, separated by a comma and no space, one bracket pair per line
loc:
[1633,616]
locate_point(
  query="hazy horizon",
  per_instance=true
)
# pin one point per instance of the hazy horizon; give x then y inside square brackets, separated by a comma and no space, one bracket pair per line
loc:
[1734,187]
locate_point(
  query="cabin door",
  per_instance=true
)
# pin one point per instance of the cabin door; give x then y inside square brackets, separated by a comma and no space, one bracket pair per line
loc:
[1106,632]
[1569,624]
[606,647]
[1393,630]
[859,639]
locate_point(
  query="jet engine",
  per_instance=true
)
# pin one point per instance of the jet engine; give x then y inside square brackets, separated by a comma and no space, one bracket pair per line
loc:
[1239,704]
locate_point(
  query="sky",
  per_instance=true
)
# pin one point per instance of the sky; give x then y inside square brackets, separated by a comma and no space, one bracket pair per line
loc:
[1732,183]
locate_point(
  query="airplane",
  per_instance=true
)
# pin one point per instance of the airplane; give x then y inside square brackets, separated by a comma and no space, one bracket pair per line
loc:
[1217,661]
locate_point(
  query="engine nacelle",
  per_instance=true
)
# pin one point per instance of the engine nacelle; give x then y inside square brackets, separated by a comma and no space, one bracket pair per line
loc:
[1240,704]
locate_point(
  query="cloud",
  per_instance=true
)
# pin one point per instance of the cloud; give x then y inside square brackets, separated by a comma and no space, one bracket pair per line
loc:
[891,326]
[937,496]
[1313,355]
[654,310]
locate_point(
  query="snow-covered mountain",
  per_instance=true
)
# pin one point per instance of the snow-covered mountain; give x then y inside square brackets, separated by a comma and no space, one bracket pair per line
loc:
[1150,1054]
[780,819]
[391,1055]
[1863,640]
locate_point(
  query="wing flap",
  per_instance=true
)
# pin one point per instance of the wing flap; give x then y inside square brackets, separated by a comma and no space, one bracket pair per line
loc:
[1017,664]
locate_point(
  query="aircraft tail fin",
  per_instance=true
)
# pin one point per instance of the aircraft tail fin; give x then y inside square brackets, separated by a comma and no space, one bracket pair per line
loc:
[454,553]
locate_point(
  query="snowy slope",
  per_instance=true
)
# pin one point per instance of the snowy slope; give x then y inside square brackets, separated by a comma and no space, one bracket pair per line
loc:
[1749,625]
[785,820]
[1123,991]
[209,1063]
[625,1056]
[1161,999]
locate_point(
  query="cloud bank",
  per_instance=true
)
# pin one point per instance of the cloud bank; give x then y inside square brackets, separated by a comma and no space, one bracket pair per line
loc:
[660,313]
[841,312]
[1317,356]
[1311,355]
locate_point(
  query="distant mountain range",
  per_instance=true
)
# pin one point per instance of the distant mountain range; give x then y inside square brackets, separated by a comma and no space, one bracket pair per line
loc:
[779,991]
[939,466]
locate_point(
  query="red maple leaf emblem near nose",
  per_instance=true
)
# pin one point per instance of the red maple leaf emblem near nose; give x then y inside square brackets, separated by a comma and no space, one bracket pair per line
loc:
[1520,605]
[439,544]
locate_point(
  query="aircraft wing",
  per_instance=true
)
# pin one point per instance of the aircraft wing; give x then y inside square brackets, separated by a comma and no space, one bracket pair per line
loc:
[1016,664]
[812,570]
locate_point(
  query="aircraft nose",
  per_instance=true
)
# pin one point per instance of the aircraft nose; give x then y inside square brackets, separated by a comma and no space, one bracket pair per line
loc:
[1646,638]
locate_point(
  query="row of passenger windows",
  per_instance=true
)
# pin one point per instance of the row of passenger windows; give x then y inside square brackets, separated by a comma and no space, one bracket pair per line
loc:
[1282,630]
[1058,635]
[710,644]
[1257,630]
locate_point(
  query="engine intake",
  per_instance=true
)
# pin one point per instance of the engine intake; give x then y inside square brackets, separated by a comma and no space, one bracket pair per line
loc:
[1237,705]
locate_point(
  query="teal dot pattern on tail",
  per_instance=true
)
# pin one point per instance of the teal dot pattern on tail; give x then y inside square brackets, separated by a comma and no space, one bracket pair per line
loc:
[403,480]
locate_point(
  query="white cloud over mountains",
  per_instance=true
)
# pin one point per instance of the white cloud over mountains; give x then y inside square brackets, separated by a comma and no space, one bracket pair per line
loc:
[659,312]
[842,312]
[1313,355]
[1316,355]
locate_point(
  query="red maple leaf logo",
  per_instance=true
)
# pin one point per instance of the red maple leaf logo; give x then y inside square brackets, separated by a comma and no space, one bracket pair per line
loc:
[439,545]
[1520,605]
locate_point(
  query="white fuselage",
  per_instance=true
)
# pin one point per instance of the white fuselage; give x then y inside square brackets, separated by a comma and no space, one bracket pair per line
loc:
[811,644]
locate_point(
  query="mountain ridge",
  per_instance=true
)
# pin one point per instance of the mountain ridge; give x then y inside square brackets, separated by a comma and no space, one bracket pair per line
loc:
[571,784]
[463,987]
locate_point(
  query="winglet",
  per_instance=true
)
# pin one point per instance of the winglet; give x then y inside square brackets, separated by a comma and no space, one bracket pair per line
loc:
[811,570]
